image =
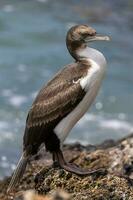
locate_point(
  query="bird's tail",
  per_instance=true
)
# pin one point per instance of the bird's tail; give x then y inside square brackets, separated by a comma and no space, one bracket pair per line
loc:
[18,173]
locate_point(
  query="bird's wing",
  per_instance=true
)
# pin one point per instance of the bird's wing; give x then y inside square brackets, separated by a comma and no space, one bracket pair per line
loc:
[58,98]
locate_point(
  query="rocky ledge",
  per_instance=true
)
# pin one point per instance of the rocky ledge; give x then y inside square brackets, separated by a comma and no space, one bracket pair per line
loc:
[114,181]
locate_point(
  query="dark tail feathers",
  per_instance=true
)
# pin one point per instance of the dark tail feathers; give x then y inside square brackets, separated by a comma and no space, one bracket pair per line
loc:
[18,173]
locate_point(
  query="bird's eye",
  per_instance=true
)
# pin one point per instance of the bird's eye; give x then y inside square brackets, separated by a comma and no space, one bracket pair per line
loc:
[93,33]
[89,34]
[85,34]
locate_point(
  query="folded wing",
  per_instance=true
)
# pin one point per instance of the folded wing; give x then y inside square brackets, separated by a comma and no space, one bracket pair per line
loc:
[55,100]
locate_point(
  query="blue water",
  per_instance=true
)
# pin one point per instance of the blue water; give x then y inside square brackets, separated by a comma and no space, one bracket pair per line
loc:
[32,49]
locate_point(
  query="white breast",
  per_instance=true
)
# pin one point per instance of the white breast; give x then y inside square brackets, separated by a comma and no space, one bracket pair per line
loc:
[90,83]
[92,75]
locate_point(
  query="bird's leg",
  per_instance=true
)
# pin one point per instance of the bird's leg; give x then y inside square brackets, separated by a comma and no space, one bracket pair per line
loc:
[71,167]
[55,161]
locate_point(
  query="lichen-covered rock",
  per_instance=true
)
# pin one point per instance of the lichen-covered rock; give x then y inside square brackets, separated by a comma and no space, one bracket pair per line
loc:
[114,180]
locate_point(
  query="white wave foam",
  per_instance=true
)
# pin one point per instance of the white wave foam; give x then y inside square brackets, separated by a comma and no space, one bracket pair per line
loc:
[105,122]
[95,129]
[5,136]
[116,124]
[3,125]
[17,100]
[22,67]
[89,118]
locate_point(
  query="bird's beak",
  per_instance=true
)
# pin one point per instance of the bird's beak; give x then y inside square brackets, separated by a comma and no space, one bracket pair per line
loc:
[97,37]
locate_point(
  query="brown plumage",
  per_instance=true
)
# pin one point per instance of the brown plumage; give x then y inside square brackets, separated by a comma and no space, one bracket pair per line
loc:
[56,100]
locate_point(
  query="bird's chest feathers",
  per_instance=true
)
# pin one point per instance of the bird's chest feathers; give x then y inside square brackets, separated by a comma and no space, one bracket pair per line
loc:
[94,75]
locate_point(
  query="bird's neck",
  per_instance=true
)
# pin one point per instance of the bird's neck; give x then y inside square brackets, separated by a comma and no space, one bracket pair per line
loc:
[92,54]
[82,52]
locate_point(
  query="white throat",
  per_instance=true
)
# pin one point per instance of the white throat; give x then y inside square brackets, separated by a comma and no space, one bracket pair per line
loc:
[93,54]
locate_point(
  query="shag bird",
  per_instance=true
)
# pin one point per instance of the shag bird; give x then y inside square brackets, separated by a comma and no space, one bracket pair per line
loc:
[63,101]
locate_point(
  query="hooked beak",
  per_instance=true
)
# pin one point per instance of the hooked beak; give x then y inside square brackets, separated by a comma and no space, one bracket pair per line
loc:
[97,37]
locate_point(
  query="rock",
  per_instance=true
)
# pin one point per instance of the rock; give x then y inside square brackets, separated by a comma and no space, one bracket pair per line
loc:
[114,181]
[57,195]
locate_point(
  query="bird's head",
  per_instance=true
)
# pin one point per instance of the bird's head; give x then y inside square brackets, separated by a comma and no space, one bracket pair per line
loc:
[80,35]
[84,34]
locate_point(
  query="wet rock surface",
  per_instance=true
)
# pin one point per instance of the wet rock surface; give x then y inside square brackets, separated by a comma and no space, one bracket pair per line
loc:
[113,181]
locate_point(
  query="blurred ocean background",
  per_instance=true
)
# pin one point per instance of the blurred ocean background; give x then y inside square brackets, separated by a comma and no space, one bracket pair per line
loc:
[32,49]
